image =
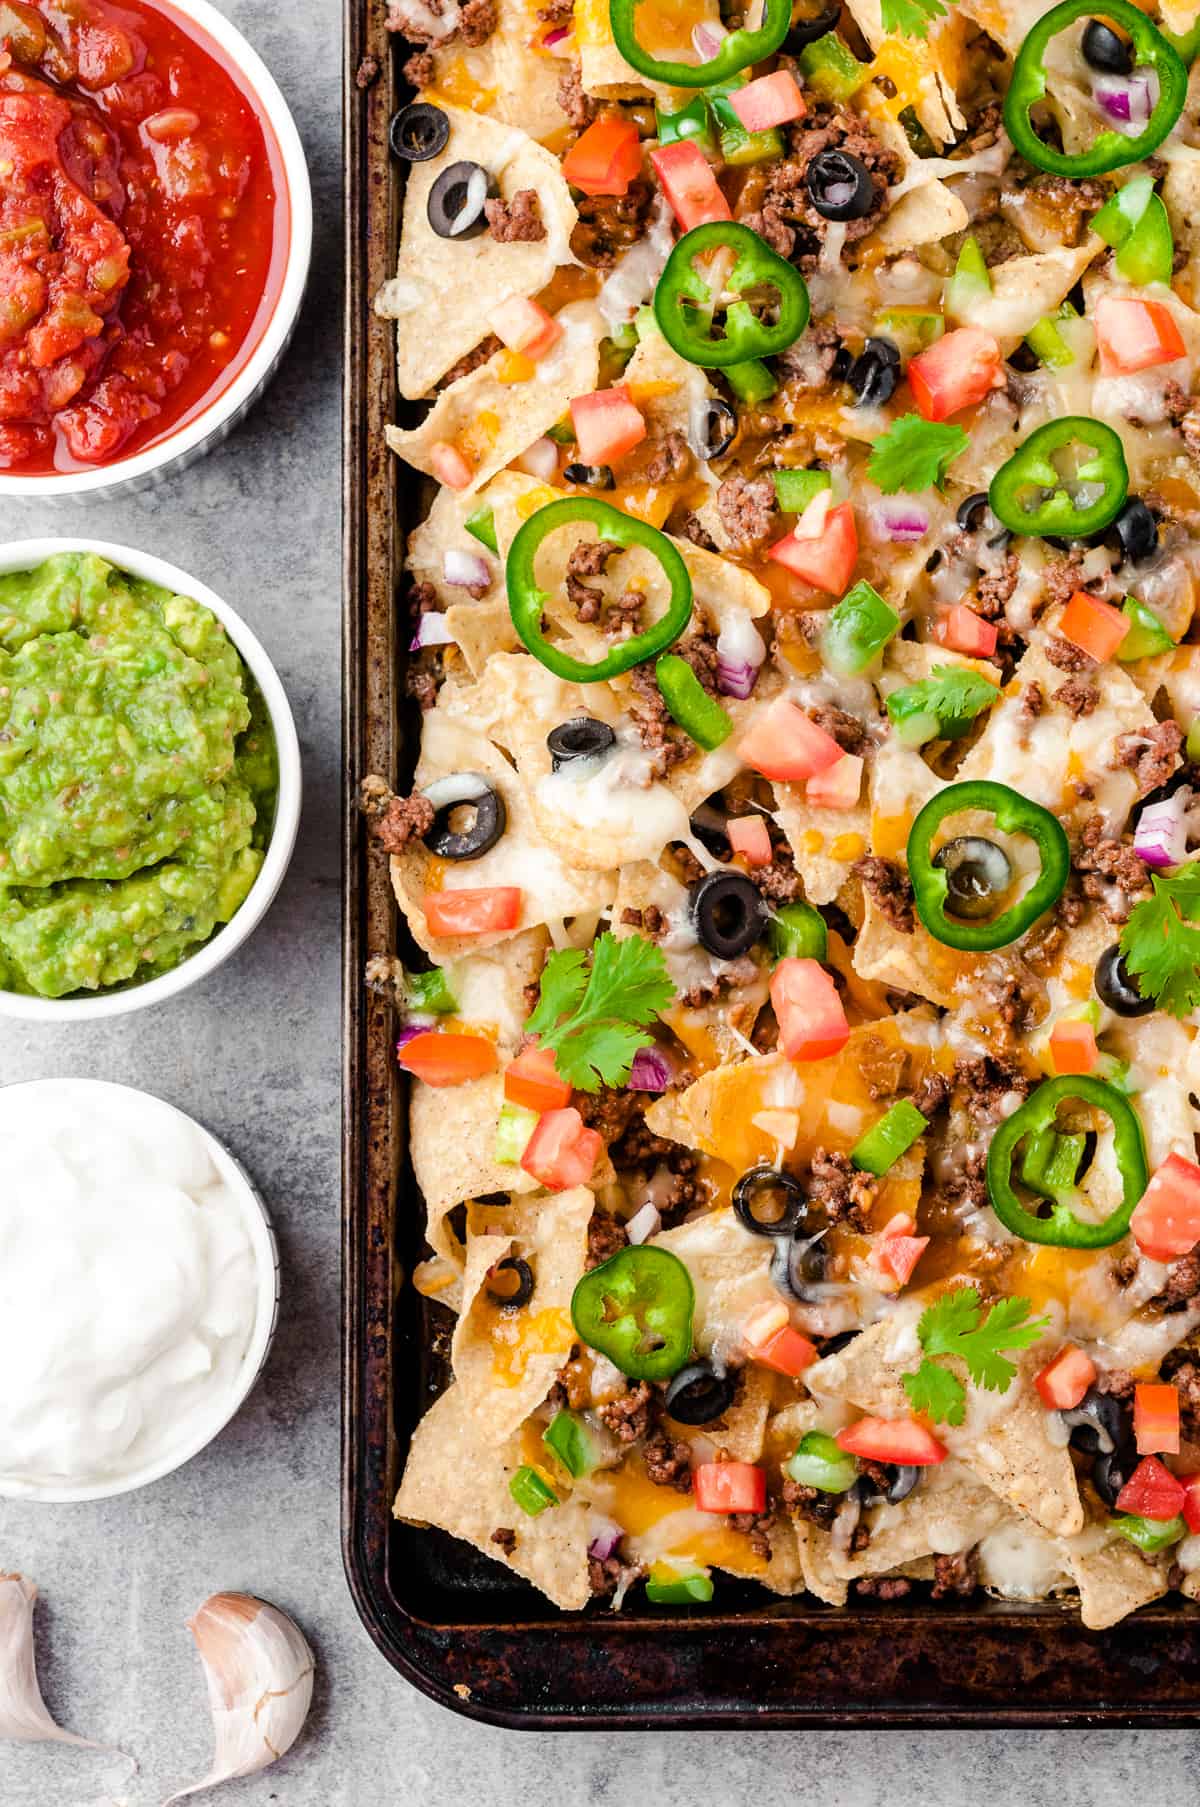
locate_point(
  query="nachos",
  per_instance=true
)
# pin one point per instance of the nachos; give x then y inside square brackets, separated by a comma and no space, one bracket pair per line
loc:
[800,869]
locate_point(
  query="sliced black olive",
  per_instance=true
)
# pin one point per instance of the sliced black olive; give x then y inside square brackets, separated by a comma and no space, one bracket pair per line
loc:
[728,912]
[902,1479]
[769,1201]
[470,793]
[510,1283]
[590,476]
[716,428]
[840,186]
[1110,1473]
[583,738]
[798,1266]
[710,826]
[972,512]
[1104,50]
[977,873]
[1117,987]
[419,132]
[455,205]
[875,372]
[698,1394]
[830,1345]
[1136,532]
[806,31]
[1099,1424]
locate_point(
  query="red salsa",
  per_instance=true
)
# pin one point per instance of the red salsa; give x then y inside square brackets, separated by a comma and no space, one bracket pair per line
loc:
[143,229]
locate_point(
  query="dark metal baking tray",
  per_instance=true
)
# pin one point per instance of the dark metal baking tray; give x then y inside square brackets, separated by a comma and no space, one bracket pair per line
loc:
[453,1623]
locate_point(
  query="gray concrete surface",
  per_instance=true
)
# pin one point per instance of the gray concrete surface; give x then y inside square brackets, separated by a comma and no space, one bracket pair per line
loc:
[253,1053]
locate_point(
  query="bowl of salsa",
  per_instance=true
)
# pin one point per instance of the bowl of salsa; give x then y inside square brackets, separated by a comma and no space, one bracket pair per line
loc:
[155,238]
[150,780]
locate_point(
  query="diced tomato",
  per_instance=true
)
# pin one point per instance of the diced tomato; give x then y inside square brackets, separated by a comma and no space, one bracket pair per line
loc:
[472,912]
[729,1487]
[787,1352]
[770,101]
[750,836]
[1191,1501]
[1156,1418]
[1073,1046]
[1151,1491]
[531,1080]
[689,184]
[1094,626]
[1166,1222]
[783,743]
[1065,1381]
[808,1005]
[607,425]
[441,1058]
[525,326]
[838,786]
[1132,334]
[605,158]
[963,631]
[901,1440]
[822,548]
[955,373]
[897,1252]
[562,1151]
[449,465]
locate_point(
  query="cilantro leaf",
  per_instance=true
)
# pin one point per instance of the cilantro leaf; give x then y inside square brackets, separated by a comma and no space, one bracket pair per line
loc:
[912,17]
[955,1325]
[914,454]
[594,1021]
[936,1392]
[1161,941]
[950,697]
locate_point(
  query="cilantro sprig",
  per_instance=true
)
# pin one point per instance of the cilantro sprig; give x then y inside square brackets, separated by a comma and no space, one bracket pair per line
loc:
[1161,941]
[912,17]
[593,1019]
[914,454]
[956,1325]
[948,701]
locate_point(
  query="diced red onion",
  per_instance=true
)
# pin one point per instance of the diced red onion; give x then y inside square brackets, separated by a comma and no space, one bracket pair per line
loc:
[643,1224]
[431,631]
[900,518]
[465,570]
[405,1035]
[706,40]
[540,460]
[650,1072]
[735,680]
[740,652]
[557,36]
[1161,834]
[607,1535]
[1127,100]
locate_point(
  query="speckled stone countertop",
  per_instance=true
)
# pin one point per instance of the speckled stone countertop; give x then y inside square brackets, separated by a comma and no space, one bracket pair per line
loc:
[254,1054]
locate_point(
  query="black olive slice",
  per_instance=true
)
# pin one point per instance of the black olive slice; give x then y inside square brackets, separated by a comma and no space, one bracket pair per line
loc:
[807,30]
[1136,532]
[1110,1473]
[903,1478]
[590,476]
[1099,1424]
[419,132]
[710,825]
[1104,50]
[972,512]
[582,738]
[510,1283]
[977,873]
[455,205]
[728,912]
[1116,986]
[698,1394]
[716,428]
[471,793]
[840,186]
[875,372]
[800,1264]
[769,1201]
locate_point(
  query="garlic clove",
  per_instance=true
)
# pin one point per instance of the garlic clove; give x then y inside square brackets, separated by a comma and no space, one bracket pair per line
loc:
[259,1671]
[23,1712]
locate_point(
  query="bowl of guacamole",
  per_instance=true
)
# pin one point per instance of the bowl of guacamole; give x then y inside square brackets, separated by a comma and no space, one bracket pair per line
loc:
[149,780]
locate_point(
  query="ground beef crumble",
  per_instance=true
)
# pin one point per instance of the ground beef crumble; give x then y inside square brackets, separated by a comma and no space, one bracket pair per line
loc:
[476,23]
[1067,656]
[996,589]
[778,206]
[608,1573]
[747,510]
[505,1539]
[964,1189]
[629,1417]
[889,888]
[394,821]
[956,1576]
[779,881]
[1114,876]
[811,1503]
[668,1463]
[649,920]
[1079,696]
[486,349]
[669,460]
[838,1191]
[609,224]
[588,559]
[847,730]
[605,1236]
[983,1082]
[420,69]
[757,1527]
[1062,578]
[650,716]
[1180,1366]
[1150,755]
[732,977]
[883,1066]
[883,1587]
[518,221]
[1183,1284]
[574,99]
[692,528]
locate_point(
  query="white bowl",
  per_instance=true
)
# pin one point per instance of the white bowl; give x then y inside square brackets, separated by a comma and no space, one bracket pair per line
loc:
[196,437]
[266,1317]
[23,555]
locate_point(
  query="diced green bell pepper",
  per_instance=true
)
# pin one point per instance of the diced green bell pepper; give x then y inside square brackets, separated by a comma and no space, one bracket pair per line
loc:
[830,69]
[531,1491]
[569,1439]
[693,121]
[1146,637]
[1135,222]
[794,490]
[670,1585]
[482,524]
[514,1127]
[689,703]
[1047,343]
[751,382]
[970,280]
[1192,744]
[1050,1163]
[1149,1534]
[819,1462]
[428,991]
[887,1140]
[857,630]
[912,329]
[797,932]
[562,432]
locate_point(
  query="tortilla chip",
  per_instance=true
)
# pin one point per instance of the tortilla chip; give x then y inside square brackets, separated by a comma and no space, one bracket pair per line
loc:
[444,530]
[825,842]
[489,987]
[492,421]
[452,1132]
[1113,1578]
[927,213]
[506,80]
[1025,289]
[928,67]
[605,71]
[446,289]
[948,1512]
[730,1270]
[458,1480]
[506,1361]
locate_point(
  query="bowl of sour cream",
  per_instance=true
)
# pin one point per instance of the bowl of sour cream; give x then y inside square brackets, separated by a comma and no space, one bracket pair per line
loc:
[139,1289]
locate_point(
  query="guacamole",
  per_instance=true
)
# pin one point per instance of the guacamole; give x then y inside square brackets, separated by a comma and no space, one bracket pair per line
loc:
[137,777]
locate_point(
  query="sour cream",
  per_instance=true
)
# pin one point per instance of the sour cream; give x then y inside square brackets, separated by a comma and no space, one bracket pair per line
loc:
[137,1288]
